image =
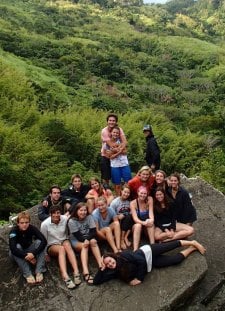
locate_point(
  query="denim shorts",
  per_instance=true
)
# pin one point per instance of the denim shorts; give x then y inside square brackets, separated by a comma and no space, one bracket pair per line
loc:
[74,242]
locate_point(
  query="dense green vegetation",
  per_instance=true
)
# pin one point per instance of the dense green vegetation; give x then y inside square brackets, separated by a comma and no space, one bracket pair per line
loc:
[65,64]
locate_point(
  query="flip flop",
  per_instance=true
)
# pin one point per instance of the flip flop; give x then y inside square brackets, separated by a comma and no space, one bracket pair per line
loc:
[31,280]
[39,277]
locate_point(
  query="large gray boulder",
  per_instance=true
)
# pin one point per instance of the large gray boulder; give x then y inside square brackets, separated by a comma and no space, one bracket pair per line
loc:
[189,285]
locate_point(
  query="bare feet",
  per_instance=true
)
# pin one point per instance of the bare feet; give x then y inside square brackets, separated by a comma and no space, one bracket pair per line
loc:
[123,244]
[199,247]
[128,243]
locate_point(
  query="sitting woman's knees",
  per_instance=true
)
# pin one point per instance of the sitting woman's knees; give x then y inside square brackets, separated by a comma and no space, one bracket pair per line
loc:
[116,223]
[107,229]
[93,242]
[86,245]
[137,227]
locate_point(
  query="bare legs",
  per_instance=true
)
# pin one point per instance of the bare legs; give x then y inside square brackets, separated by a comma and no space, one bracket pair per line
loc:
[151,234]
[182,231]
[117,189]
[192,246]
[137,228]
[124,239]
[96,252]
[83,248]
[136,235]
[106,233]
[91,205]
[62,251]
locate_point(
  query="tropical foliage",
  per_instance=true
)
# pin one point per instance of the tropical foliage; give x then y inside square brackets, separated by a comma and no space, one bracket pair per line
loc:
[65,64]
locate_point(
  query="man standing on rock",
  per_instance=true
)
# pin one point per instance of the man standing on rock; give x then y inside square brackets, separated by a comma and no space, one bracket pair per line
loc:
[152,153]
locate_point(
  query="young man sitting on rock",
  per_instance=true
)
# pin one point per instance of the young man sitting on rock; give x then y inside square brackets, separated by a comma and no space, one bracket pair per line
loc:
[27,245]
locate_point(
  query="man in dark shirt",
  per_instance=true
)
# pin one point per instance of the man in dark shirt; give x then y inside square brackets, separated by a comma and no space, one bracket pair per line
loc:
[152,153]
[54,198]
[27,245]
[76,192]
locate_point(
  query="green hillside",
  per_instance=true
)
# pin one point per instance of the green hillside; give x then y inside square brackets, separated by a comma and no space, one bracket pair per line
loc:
[65,64]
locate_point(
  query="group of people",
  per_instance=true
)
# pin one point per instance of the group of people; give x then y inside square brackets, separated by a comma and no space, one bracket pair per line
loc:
[76,219]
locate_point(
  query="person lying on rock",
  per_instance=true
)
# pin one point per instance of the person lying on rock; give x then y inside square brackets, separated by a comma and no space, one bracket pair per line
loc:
[27,245]
[132,267]
[54,228]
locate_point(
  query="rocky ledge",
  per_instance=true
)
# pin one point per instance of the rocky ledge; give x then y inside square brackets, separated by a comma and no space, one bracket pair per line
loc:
[196,284]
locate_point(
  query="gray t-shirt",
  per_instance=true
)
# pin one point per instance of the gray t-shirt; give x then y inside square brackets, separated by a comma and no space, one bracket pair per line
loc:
[104,222]
[120,206]
[83,226]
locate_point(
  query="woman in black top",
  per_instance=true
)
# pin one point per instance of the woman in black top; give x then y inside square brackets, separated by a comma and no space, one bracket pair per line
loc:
[160,181]
[132,267]
[184,210]
[167,228]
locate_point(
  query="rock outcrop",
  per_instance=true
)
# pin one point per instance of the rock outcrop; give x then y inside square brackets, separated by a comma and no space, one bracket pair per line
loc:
[196,284]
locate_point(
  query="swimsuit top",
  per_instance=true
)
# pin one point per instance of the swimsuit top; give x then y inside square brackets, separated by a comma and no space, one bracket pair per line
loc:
[142,215]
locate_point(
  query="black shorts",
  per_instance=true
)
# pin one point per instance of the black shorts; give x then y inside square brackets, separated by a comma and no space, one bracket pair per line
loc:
[105,168]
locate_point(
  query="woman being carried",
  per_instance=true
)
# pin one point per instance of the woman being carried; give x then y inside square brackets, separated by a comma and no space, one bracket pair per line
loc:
[116,152]
[131,267]
[83,235]
[167,228]
[143,217]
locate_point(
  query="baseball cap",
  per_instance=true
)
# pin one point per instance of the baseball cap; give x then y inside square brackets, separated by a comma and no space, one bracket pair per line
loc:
[147,127]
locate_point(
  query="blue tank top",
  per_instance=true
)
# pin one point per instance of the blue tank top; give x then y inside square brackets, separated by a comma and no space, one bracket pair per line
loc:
[142,215]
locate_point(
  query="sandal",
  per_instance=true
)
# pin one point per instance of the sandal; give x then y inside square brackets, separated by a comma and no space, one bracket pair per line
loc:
[70,284]
[31,280]
[39,277]
[77,279]
[88,279]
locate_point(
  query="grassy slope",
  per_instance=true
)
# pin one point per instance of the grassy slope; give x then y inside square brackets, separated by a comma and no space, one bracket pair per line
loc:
[165,63]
